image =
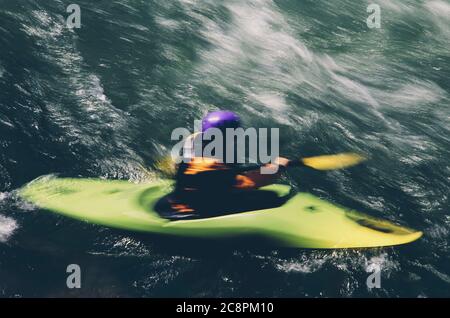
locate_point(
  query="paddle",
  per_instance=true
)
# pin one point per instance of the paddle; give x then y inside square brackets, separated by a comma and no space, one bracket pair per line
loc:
[329,162]
[323,163]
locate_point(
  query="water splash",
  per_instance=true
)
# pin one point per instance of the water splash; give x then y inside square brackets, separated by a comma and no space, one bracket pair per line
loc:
[7,228]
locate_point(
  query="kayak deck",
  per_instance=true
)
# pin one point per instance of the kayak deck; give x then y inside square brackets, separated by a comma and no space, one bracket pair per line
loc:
[303,221]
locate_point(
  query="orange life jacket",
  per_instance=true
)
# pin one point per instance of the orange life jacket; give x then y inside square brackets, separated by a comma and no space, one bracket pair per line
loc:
[210,175]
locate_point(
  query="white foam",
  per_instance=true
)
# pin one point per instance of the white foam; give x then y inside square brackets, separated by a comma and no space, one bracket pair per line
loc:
[97,109]
[439,8]
[256,57]
[415,94]
[169,24]
[304,263]
[397,6]
[382,261]
[271,100]
[354,90]
[304,266]
[92,94]
[7,228]
[440,11]
[47,27]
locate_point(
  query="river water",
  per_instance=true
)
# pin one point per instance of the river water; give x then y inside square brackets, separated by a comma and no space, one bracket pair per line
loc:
[102,101]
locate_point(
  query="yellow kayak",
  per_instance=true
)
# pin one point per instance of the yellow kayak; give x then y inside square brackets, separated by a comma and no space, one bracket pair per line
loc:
[303,221]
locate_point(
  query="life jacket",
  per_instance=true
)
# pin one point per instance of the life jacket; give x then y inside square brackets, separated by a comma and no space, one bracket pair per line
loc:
[207,175]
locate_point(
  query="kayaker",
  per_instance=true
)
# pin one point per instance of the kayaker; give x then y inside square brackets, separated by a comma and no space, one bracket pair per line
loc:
[202,181]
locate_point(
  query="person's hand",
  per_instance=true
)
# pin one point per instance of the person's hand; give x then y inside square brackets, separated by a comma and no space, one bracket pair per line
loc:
[284,162]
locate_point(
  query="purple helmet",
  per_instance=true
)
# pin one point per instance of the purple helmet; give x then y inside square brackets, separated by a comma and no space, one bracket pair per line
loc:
[221,119]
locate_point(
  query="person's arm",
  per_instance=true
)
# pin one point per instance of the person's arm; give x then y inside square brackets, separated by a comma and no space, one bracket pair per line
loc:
[254,179]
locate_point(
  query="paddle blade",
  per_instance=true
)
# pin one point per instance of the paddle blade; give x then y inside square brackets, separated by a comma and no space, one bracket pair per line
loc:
[166,166]
[333,162]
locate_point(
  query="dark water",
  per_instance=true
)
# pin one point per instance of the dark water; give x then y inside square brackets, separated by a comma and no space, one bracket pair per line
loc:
[101,101]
